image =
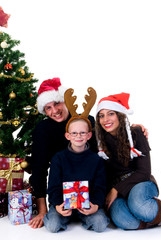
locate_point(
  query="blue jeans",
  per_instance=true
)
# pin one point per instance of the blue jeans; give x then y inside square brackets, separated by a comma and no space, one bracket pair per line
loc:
[139,206]
[54,222]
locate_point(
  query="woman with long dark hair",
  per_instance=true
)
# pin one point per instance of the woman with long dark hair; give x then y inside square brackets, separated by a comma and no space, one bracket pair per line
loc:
[131,189]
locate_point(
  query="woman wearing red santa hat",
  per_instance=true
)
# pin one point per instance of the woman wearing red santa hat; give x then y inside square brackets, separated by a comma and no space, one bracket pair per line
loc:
[132,191]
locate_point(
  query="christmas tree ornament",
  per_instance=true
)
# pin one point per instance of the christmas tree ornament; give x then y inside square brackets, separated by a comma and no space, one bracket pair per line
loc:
[1,115]
[0,142]
[8,66]
[16,123]
[24,164]
[4,44]
[35,112]
[22,71]
[12,95]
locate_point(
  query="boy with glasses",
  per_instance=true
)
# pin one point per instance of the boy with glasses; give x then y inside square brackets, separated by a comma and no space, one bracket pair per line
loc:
[77,163]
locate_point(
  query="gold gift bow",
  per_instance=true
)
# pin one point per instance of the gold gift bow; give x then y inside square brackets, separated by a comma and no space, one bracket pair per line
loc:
[9,175]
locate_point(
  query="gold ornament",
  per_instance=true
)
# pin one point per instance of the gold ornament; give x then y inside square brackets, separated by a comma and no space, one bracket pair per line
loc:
[22,71]
[12,121]
[4,44]
[35,110]
[16,123]
[24,164]
[0,142]
[12,95]
[1,115]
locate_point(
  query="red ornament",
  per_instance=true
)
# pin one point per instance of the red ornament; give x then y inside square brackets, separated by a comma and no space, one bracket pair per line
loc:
[3,18]
[8,66]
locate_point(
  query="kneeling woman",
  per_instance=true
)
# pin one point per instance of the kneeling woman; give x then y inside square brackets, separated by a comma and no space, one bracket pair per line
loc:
[131,189]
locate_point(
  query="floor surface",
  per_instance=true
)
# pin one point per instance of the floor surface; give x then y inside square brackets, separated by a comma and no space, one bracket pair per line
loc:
[74,231]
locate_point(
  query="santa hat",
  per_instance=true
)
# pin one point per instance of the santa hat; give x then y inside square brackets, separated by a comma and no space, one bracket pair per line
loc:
[119,103]
[50,90]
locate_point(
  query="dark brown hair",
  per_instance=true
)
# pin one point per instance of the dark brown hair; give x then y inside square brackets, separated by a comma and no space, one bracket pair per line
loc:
[123,147]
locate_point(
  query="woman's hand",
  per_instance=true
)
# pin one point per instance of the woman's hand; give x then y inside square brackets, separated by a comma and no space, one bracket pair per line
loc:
[93,208]
[111,196]
[60,209]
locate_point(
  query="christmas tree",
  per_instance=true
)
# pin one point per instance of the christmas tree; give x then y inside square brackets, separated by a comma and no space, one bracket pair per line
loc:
[18,112]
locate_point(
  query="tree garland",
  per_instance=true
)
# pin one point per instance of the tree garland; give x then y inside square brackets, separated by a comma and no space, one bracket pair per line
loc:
[18,78]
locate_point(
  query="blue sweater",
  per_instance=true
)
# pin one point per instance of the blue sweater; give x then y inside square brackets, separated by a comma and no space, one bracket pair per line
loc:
[48,139]
[70,166]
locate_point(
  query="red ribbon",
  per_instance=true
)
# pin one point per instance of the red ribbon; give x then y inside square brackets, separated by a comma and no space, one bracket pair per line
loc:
[77,189]
[23,209]
[133,149]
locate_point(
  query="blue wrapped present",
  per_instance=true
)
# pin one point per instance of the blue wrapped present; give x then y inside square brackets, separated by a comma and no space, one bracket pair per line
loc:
[19,207]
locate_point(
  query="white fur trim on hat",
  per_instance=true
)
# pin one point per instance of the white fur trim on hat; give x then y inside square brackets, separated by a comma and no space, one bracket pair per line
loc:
[50,96]
[113,106]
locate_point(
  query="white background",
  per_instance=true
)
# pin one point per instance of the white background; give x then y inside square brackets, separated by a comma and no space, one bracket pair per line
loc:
[113,46]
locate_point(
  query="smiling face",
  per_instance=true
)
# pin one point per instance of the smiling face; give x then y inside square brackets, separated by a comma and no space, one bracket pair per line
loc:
[56,111]
[109,121]
[78,134]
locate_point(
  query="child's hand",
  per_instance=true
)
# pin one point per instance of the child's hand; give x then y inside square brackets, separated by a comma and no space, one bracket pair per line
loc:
[93,208]
[60,209]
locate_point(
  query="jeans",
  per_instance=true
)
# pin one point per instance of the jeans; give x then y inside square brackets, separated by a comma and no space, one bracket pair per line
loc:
[54,222]
[139,206]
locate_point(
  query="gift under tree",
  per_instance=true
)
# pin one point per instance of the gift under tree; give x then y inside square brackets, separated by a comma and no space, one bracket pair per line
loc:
[18,111]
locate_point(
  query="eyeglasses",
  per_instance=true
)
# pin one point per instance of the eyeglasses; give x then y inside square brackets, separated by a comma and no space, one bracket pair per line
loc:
[82,134]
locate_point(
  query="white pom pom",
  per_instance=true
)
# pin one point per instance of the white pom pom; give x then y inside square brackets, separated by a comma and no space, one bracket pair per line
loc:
[130,111]
[103,155]
[135,153]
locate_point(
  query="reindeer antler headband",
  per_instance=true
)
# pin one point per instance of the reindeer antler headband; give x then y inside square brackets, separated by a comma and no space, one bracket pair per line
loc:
[70,100]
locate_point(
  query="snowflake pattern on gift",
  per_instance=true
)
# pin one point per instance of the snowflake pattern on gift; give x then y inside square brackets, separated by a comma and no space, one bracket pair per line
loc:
[4,164]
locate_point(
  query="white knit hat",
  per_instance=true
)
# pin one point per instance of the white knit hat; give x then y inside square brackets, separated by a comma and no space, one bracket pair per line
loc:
[119,103]
[50,90]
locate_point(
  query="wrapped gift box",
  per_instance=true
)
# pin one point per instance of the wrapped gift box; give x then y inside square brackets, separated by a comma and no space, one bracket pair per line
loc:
[19,207]
[3,204]
[11,174]
[76,194]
